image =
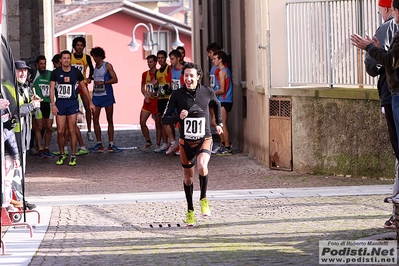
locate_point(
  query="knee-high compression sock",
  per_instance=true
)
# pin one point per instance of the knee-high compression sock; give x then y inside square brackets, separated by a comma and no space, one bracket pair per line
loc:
[188,190]
[203,185]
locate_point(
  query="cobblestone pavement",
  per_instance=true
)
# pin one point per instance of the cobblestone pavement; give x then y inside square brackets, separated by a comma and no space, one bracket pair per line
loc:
[136,171]
[283,231]
[239,232]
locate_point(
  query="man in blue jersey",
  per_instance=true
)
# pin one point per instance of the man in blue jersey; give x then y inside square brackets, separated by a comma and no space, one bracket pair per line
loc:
[211,49]
[183,54]
[224,92]
[103,97]
[64,102]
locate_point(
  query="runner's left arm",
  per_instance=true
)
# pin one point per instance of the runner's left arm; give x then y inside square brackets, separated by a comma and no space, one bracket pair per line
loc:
[53,79]
[111,71]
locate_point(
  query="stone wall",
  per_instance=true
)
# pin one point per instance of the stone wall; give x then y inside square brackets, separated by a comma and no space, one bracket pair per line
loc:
[25,28]
[340,136]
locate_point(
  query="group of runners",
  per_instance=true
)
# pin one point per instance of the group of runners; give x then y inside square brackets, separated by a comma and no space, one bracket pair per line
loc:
[173,94]
[63,90]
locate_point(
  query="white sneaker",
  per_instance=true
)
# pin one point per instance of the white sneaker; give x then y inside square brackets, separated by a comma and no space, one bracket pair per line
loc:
[34,151]
[161,149]
[90,136]
[216,148]
[394,199]
[173,147]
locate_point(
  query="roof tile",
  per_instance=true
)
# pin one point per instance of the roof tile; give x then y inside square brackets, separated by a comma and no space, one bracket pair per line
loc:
[66,16]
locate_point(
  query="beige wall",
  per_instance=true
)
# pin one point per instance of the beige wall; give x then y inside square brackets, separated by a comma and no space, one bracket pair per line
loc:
[245,28]
[278,45]
[256,125]
[333,131]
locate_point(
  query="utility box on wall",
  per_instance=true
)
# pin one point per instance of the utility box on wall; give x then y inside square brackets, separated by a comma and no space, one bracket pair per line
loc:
[280,134]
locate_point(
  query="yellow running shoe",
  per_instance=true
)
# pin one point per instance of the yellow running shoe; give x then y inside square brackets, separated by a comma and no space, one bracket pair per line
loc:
[59,153]
[190,218]
[61,160]
[206,211]
[72,161]
[82,152]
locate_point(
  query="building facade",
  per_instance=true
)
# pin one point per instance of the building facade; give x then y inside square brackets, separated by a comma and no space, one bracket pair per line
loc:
[110,26]
[314,128]
[28,27]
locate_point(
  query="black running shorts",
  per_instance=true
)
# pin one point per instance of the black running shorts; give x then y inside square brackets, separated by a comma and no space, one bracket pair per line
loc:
[189,149]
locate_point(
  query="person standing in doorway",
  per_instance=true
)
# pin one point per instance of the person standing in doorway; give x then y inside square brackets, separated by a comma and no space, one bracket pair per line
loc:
[224,92]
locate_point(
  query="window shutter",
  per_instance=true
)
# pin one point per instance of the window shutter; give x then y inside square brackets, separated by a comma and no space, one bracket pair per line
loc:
[147,53]
[89,43]
[62,42]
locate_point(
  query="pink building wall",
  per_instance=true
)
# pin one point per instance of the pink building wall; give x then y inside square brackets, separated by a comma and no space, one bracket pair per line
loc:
[113,34]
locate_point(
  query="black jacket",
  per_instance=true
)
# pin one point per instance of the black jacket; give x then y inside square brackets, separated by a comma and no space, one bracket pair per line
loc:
[197,103]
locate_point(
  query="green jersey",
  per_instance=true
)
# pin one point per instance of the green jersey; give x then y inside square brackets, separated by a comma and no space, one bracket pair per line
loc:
[41,83]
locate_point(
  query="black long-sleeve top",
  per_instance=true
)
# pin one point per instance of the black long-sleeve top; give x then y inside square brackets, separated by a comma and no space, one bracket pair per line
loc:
[197,102]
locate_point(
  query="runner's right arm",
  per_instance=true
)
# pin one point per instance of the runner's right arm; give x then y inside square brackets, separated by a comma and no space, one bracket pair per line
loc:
[53,79]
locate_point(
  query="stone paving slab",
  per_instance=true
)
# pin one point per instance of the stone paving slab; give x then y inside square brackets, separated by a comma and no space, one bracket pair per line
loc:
[247,228]
[214,195]
[282,231]
[251,231]
[19,247]
[134,171]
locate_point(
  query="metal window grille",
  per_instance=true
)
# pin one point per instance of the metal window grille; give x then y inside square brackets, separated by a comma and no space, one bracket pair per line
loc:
[318,41]
[280,108]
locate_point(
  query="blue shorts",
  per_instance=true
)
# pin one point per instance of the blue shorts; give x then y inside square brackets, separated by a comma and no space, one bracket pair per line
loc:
[67,107]
[103,101]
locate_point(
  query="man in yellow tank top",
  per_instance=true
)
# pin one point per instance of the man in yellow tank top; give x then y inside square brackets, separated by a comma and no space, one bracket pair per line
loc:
[163,77]
[83,61]
[150,103]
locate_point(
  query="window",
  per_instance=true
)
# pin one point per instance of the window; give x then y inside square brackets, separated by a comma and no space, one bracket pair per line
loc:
[164,41]
[318,45]
[65,41]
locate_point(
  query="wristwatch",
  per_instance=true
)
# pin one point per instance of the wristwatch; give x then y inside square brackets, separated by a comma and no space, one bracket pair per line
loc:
[220,125]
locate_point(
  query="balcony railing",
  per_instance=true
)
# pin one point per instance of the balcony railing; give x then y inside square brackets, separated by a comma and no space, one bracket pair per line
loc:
[318,41]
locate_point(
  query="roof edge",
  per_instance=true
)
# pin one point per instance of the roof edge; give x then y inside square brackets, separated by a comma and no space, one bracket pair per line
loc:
[133,9]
